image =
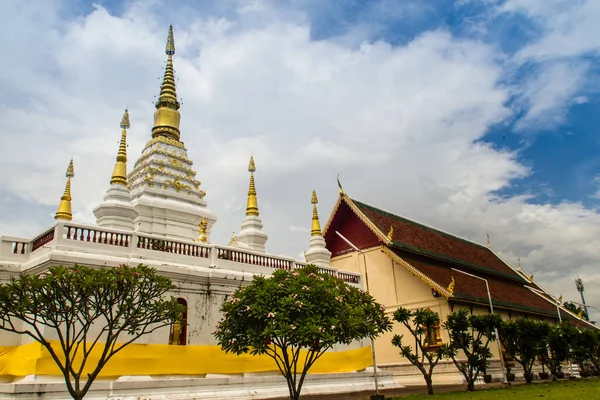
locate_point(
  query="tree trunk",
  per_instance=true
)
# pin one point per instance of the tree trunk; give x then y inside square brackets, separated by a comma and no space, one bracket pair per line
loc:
[429,383]
[470,386]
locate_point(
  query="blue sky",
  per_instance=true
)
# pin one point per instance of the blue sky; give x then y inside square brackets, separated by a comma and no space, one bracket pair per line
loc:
[473,116]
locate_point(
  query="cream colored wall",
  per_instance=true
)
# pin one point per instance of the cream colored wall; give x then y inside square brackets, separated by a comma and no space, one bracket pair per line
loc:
[393,286]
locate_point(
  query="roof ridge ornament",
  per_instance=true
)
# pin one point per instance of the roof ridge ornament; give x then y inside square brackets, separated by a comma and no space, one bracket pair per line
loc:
[390,235]
[451,287]
[340,185]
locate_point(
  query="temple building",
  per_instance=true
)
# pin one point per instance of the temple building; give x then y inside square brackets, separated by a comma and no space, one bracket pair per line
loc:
[158,215]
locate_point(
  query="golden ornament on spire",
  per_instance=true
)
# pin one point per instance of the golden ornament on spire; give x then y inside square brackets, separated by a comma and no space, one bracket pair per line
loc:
[166,117]
[390,234]
[119,175]
[340,184]
[64,208]
[252,207]
[451,286]
[316,226]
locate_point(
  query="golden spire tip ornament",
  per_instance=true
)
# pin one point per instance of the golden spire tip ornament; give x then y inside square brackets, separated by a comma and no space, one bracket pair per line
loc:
[64,208]
[252,205]
[340,184]
[119,175]
[316,225]
[166,117]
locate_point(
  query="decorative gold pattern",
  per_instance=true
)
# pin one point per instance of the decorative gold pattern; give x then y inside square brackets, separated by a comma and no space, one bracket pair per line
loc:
[64,208]
[177,185]
[234,242]
[451,287]
[164,140]
[119,175]
[390,235]
[316,225]
[252,205]
[424,278]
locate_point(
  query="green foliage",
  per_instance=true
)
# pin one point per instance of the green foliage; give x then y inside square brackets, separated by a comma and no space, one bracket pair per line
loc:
[87,309]
[294,310]
[471,335]
[524,339]
[585,346]
[576,309]
[558,346]
[421,324]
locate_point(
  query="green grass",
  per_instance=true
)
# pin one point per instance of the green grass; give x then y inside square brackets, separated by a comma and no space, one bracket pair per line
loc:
[586,389]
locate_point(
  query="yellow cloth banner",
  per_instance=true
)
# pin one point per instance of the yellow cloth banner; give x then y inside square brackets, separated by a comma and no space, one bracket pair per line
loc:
[162,359]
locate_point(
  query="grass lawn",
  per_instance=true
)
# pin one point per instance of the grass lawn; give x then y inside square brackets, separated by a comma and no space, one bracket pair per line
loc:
[584,389]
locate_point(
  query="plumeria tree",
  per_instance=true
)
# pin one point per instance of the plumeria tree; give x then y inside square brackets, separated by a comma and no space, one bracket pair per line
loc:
[524,340]
[88,311]
[558,345]
[421,324]
[294,317]
[471,335]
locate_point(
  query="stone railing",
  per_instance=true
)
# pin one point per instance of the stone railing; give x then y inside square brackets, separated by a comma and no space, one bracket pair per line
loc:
[95,240]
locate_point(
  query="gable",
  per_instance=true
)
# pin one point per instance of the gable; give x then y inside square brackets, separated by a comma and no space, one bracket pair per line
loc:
[346,222]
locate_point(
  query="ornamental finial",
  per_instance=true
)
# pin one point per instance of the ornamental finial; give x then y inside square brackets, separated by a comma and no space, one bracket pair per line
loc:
[252,204]
[519,264]
[166,116]
[488,240]
[316,225]
[119,175]
[170,49]
[390,235]
[203,225]
[451,286]
[64,208]
[340,184]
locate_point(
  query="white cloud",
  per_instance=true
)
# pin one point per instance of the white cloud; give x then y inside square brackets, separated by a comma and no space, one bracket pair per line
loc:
[402,125]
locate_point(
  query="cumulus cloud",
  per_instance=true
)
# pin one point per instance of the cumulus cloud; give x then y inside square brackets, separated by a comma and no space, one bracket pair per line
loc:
[402,124]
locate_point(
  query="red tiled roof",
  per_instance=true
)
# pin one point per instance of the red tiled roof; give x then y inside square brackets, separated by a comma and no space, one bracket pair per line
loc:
[504,293]
[414,237]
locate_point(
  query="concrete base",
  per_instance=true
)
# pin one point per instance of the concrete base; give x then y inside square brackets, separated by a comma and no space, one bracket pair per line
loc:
[187,388]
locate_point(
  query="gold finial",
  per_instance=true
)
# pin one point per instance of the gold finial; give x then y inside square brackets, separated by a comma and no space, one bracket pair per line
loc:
[64,208]
[203,225]
[390,234]
[340,184]
[560,299]
[530,278]
[580,314]
[451,286]
[252,207]
[166,117]
[316,226]
[488,240]
[119,175]
[233,241]
[519,264]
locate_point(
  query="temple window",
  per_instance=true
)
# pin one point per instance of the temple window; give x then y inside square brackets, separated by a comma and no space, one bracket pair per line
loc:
[178,334]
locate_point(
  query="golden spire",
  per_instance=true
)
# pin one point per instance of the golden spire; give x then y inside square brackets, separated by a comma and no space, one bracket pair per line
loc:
[252,208]
[451,286]
[316,226]
[119,175]
[166,117]
[64,208]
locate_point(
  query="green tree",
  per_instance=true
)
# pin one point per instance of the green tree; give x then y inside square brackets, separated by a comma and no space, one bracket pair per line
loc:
[421,324]
[558,343]
[471,335]
[585,345]
[524,340]
[86,309]
[295,310]
[576,309]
